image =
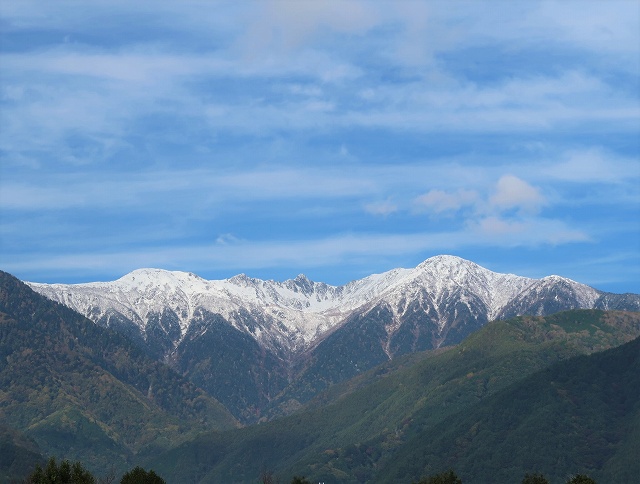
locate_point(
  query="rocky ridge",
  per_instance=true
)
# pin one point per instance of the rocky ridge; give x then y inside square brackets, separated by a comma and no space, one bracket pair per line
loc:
[293,315]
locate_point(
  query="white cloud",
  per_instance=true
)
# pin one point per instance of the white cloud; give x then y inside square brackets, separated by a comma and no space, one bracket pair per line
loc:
[383,208]
[513,193]
[228,110]
[189,188]
[285,28]
[610,26]
[509,193]
[516,104]
[105,92]
[593,165]
[231,254]
[528,232]
[226,239]
[439,201]
[505,214]
[498,226]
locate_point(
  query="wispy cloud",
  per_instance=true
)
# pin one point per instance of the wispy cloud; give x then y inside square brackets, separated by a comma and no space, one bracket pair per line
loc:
[229,253]
[510,232]
[439,201]
[329,134]
[594,165]
[383,208]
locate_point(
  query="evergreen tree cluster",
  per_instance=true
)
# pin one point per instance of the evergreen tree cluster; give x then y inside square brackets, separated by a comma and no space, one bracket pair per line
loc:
[63,473]
[450,477]
[67,473]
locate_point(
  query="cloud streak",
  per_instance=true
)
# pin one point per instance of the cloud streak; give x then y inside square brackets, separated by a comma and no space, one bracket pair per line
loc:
[229,253]
[360,135]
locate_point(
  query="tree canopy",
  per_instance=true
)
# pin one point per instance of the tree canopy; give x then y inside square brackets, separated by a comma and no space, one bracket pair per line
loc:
[138,475]
[63,473]
[448,477]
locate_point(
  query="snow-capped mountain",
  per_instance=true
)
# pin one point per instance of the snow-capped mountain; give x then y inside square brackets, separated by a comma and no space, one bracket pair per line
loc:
[278,332]
[289,315]
[296,313]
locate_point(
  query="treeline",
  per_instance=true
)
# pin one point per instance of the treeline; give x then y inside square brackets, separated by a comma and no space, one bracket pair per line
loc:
[450,477]
[67,473]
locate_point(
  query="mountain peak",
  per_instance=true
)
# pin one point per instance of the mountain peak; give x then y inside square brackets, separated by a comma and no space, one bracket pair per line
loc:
[241,280]
[155,278]
[299,312]
[449,266]
[302,283]
[555,279]
[445,261]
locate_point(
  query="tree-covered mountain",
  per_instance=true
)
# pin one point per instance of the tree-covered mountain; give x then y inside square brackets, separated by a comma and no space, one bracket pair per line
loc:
[19,455]
[79,391]
[577,416]
[385,424]
[83,392]
[281,343]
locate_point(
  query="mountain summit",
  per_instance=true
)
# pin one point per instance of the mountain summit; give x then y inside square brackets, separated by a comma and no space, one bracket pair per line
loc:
[295,314]
[276,331]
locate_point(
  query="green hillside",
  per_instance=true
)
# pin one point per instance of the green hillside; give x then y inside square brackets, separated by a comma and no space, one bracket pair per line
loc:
[577,416]
[18,455]
[357,429]
[85,393]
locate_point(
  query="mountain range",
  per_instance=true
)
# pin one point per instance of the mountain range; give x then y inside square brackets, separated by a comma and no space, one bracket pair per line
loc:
[382,394]
[264,348]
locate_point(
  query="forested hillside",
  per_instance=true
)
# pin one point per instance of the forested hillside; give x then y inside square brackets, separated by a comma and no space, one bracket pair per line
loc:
[86,393]
[362,430]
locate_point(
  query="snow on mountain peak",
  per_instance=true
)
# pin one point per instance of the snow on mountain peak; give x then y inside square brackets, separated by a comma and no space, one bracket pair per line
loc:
[157,277]
[585,295]
[444,259]
[298,311]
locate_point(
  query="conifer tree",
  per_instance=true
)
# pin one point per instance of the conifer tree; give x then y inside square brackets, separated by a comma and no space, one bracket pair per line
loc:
[534,479]
[581,479]
[65,473]
[300,480]
[139,476]
[448,477]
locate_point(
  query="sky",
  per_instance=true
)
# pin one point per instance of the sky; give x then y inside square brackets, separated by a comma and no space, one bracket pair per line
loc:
[336,139]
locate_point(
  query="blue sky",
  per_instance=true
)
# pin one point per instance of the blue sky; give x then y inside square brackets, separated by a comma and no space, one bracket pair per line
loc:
[335,138]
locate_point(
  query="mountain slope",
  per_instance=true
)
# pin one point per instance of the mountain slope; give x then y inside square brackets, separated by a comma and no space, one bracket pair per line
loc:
[298,337]
[359,427]
[86,393]
[578,416]
[19,455]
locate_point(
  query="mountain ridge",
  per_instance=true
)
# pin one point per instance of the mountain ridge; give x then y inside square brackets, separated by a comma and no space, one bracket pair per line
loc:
[306,309]
[263,348]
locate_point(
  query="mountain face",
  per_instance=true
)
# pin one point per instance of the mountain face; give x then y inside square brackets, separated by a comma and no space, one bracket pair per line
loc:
[280,343]
[85,392]
[492,408]
[578,416]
